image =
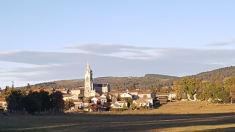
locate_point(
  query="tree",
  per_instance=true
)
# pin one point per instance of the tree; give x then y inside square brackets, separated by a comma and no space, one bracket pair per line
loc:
[28,87]
[32,102]
[159,87]
[14,100]
[189,86]
[80,96]
[56,101]
[12,103]
[153,89]
[229,86]
[119,98]
[129,101]
[124,107]
[108,97]
[133,106]
[176,88]
[7,91]
[68,104]
[44,100]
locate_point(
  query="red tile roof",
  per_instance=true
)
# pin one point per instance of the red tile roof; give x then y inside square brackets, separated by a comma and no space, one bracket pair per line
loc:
[3,99]
[121,101]
[145,92]
[77,100]
[163,94]
[137,90]
[78,89]
[100,98]
[59,89]
[117,92]
[116,105]
[67,95]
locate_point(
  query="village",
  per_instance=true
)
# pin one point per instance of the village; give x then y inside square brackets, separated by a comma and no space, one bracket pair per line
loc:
[99,97]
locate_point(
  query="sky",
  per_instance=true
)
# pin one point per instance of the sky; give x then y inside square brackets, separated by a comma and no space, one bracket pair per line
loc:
[43,40]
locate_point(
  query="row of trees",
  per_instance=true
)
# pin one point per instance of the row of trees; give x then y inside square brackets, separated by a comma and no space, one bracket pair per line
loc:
[220,90]
[33,102]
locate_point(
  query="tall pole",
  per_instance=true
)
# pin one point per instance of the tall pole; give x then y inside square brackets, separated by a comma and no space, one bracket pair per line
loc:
[12,86]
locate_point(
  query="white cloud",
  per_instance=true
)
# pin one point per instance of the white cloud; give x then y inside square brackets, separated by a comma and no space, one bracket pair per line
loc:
[36,66]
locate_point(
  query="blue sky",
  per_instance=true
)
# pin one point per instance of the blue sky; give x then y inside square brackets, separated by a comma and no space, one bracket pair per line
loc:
[52,40]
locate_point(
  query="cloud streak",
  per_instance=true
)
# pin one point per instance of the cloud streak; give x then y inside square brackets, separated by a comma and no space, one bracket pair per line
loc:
[116,50]
[225,43]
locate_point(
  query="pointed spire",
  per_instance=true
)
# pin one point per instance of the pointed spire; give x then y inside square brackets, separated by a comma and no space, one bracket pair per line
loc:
[88,66]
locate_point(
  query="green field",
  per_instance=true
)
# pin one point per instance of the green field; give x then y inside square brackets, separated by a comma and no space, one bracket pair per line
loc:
[151,120]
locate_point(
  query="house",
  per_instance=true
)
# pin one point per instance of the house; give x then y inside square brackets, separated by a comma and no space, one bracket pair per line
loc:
[149,100]
[99,100]
[78,104]
[169,96]
[134,94]
[162,95]
[69,96]
[77,91]
[144,102]
[116,93]
[3,102]
[116,106]
[141,102]
[126,95]
[146,95]
[94,107]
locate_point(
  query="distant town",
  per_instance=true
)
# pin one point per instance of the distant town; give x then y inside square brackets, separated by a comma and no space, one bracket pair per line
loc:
[95,97]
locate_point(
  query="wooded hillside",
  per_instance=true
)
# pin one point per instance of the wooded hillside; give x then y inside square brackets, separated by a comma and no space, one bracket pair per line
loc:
[143,83]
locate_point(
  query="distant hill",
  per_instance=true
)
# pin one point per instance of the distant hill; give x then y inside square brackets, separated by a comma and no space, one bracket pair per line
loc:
[116,83]
[143,83]
[211,75]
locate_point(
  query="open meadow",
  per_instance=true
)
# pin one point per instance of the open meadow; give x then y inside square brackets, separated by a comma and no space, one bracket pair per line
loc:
[215,118]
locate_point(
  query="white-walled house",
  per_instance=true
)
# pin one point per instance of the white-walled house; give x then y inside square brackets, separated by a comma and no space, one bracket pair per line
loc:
[116,106]
[97,100]
[144,101]
[150,100]
[134,94]
[126,95]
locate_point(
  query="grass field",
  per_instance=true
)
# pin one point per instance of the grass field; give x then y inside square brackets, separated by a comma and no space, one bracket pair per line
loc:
[170,117]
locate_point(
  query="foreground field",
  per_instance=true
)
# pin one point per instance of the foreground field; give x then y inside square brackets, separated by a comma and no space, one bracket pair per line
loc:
[107,122]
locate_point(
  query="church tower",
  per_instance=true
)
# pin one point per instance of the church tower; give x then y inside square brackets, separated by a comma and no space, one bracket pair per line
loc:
[88,79]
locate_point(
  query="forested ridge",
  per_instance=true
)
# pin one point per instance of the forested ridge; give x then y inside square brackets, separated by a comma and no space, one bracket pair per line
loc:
[143,83]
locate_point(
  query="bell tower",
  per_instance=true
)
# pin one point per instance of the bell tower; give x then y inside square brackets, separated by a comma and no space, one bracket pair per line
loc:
[88,79]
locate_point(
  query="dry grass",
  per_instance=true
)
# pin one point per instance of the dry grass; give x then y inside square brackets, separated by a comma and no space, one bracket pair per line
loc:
[151,121]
